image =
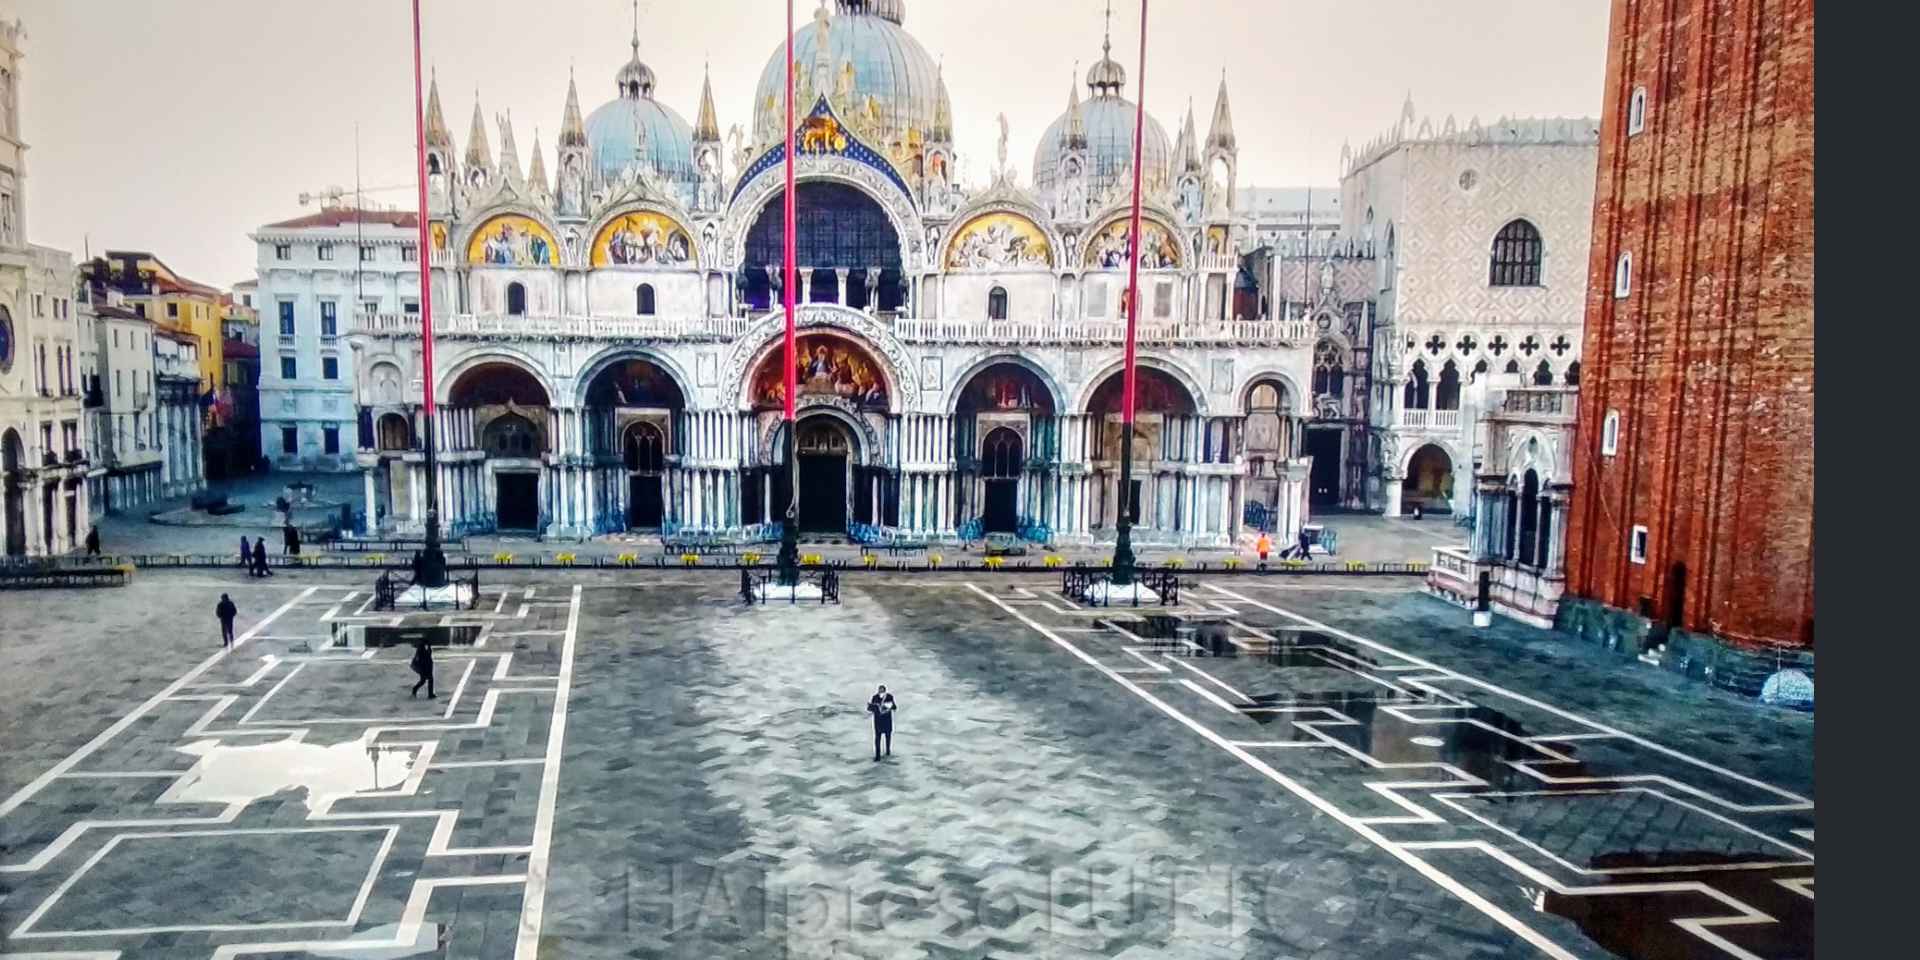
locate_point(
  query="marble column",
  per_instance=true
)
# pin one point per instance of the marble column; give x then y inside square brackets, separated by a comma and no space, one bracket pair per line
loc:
[371,523]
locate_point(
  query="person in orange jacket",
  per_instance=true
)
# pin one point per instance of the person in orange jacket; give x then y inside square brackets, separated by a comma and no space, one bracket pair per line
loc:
[1263,546]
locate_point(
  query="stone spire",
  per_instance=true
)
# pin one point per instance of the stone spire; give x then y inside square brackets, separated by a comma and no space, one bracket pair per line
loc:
[1075,136]
[1220,135]
[573,130]
[707,128]
[942,131]
[1187,151]
[437,133]
[537,174]
[479,151]
[1107,78]
[509,154]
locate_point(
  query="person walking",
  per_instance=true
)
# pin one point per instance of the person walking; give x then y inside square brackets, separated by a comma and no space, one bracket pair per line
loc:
[1306,543]
[289,540]
[422,664]
[246,555]
[226,611]
[882,706]
[260,568]
[93,541]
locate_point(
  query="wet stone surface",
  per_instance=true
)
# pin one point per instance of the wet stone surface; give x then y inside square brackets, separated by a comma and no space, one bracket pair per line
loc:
[1267,771]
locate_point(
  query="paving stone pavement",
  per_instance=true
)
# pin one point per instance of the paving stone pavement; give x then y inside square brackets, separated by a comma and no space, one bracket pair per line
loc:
[716,794]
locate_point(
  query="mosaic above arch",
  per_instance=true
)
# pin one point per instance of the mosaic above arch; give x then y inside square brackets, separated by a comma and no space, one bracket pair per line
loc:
[512,240]
[828,365]
[643,238]
[1107,248]
[999,240]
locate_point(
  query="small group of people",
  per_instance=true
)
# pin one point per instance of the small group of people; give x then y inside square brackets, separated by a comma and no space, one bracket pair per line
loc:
[253,555]
[1301,551]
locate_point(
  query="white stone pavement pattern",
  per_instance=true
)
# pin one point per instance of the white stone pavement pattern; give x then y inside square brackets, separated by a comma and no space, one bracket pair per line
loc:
[639,766]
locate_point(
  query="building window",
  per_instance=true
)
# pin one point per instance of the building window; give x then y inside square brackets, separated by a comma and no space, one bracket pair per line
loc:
[287,369]
[329,318]
[366,253]
[643,300]
[516,300]
[330,440]
[283,251]
[1163,301]
[1447,396]
[1637,111]
[140,309]
[410,254]
[330,368]
[173,311]
[1573,374]
[411,308]
[289,440]
[326,251]
[1417,395]
[1610,433]
[997,303]
[1623,276]
[1516,256]
[1637,550]
[1543,375]
[286,319]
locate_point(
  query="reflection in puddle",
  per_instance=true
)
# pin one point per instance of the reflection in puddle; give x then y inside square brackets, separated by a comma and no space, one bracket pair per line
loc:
[227,773]
[1641,925]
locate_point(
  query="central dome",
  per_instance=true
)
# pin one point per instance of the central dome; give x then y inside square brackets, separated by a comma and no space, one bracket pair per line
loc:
[886,64]
[635,128]
[1108,121]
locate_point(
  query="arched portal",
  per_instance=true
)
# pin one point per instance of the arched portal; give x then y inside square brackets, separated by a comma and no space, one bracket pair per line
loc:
[633,407]
[1163,410]
[509,411]
[1003,462]
[12,460]
[1429,483]
[837,227]
[825,454]
[1004,407]
[1270,436]
[395,433]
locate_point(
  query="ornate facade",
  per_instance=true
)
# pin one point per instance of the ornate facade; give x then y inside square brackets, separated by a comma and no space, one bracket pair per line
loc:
[608,339]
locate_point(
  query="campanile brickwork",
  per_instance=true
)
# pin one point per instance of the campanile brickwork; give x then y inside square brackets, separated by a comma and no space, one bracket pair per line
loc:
[1707,359]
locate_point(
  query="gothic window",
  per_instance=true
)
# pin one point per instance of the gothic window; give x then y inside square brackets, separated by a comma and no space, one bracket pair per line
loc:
[1516,256]
[645,449]
[1623,275]
[1637,111]
[1417,395]
[1530,345]
[1386,282]
[1498,345]
[997,304]
[516,300]
[1513,366]
[1467,344]
[1560,345]
[511,435]
[395,432]
[1479,369]
[1610,433]
[1329,379]
[643,297]
[1529,517]
[1004,457]
[1543,375]
[1436,344]
[433,164]
[1573,374]
[1447,396]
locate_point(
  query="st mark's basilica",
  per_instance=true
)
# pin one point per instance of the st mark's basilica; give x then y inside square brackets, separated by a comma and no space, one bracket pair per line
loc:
[608,341]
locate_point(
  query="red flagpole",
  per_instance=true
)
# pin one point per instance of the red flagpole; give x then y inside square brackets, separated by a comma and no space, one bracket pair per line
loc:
[792,272]
[1133,246]
[430,566]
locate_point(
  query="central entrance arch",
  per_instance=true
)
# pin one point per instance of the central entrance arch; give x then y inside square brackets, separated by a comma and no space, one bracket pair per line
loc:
[824,454]
[1005,460]
[644,451]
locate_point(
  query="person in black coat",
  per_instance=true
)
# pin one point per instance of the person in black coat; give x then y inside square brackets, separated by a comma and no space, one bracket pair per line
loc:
[260,568]
[422,664]
[246,555]
[226,611]
[93,541]
[882,706]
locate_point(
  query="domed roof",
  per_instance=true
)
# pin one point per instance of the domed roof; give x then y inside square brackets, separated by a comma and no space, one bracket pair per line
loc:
[887,64]
[636,127]
[1108,122]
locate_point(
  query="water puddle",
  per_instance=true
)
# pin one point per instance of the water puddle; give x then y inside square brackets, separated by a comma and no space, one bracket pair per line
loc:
[1641,926]
[228,773]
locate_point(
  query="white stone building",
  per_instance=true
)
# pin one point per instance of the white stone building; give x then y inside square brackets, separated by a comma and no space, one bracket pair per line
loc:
[316,273]
[176,423]
[130,407]
[44,506]
[1480,236]
[608,341]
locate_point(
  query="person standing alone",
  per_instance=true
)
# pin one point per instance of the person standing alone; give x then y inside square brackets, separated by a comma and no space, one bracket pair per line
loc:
[260,568]
[422,664]
[246,555]
[226,611]
[882,706]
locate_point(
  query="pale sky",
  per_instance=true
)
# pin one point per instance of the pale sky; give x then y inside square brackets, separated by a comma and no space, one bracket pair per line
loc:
[177,126]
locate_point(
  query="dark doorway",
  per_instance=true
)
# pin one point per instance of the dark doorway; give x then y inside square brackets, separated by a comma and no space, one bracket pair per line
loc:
[1324,482]
[645,457]
[1005,461]
[822,453]
[1003,506]
[12,453]
[517,500]
[1677,596]
[1133,503]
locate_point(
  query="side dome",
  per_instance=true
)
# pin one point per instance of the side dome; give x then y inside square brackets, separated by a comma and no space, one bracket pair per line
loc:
[871,56]
[1108,122]
[634,128]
